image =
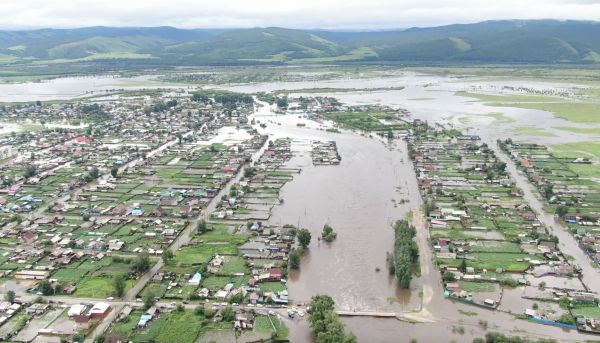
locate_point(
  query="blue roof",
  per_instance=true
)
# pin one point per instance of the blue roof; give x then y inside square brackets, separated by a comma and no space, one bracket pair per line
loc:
[144,319]
[137,212]
[196,277]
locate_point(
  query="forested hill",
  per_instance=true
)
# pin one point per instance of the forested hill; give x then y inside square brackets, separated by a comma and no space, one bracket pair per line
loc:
[510,41]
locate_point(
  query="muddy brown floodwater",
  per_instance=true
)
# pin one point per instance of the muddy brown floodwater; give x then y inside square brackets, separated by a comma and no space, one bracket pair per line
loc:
[356,199]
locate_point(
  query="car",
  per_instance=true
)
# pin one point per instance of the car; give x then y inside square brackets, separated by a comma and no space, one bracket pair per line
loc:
[272,313]
[110,298]
[185,302]
[138,300]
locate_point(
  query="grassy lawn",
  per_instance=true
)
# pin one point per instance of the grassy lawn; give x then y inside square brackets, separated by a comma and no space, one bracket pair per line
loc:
[170,327]
[69,275]
[491,261]
[188,258]
[591,311]
[157,289]
[234,264]
[98,287]
[477,287]
[272,286]
[262,324]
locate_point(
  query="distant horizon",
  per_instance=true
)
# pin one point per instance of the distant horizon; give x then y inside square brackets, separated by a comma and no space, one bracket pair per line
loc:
[391,29]
[345,15]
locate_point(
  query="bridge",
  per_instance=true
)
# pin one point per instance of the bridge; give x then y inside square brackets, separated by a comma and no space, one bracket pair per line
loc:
[366,314]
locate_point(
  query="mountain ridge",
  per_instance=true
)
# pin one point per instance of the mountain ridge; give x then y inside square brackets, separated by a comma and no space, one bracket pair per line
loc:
[503,41]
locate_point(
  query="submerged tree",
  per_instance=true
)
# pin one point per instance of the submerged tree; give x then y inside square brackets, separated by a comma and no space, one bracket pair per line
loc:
[304,237]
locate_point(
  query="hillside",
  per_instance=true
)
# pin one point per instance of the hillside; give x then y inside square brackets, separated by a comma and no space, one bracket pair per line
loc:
[511,41]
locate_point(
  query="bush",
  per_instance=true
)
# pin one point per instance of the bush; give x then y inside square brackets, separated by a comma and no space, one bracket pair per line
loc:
[328,235]
[199,311]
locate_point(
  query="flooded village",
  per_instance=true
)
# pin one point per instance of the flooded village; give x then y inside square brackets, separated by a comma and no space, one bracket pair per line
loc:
[200,215]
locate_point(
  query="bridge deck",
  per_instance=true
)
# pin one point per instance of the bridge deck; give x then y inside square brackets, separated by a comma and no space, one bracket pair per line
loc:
[366,314]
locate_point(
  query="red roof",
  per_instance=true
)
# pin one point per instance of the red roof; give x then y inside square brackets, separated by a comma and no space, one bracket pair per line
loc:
[275,272]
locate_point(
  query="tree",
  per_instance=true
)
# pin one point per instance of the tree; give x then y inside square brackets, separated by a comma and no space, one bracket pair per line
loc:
[294,259]
[406,253]
[562,210]
[114,171]
[328,235]
[324,322]
[463,266]
[94,173]
[282,102]
[449,277]
[202,227]
[119,284]
[148,300]
[45,287]
[30,171]
[10,296]
[228,314]
[304,238]
[167,255]
[199,310]
[141,263]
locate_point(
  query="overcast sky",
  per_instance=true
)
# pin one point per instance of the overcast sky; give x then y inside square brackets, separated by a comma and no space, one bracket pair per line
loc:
[330,14]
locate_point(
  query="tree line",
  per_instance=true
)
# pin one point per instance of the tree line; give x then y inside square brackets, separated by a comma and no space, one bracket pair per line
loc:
[405,258]
[324,322]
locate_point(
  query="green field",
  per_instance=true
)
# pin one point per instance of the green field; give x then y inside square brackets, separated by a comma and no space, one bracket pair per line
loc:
[584,130]
[533,131]
[98,287]
[477,287]
[175,326]
[589,311]
[507,98]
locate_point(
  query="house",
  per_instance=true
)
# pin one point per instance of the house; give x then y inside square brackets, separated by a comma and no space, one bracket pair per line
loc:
[275,273]
[76,310]
[529,216]
[254,297]
[82,321]
[32,275]
[115,244]
[144,319]
[119,210]
[100,310]
[195,280]
[136,212]
[28,237]
[159,211]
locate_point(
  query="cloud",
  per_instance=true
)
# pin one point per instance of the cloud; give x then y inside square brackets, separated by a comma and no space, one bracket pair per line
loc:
[330,14]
